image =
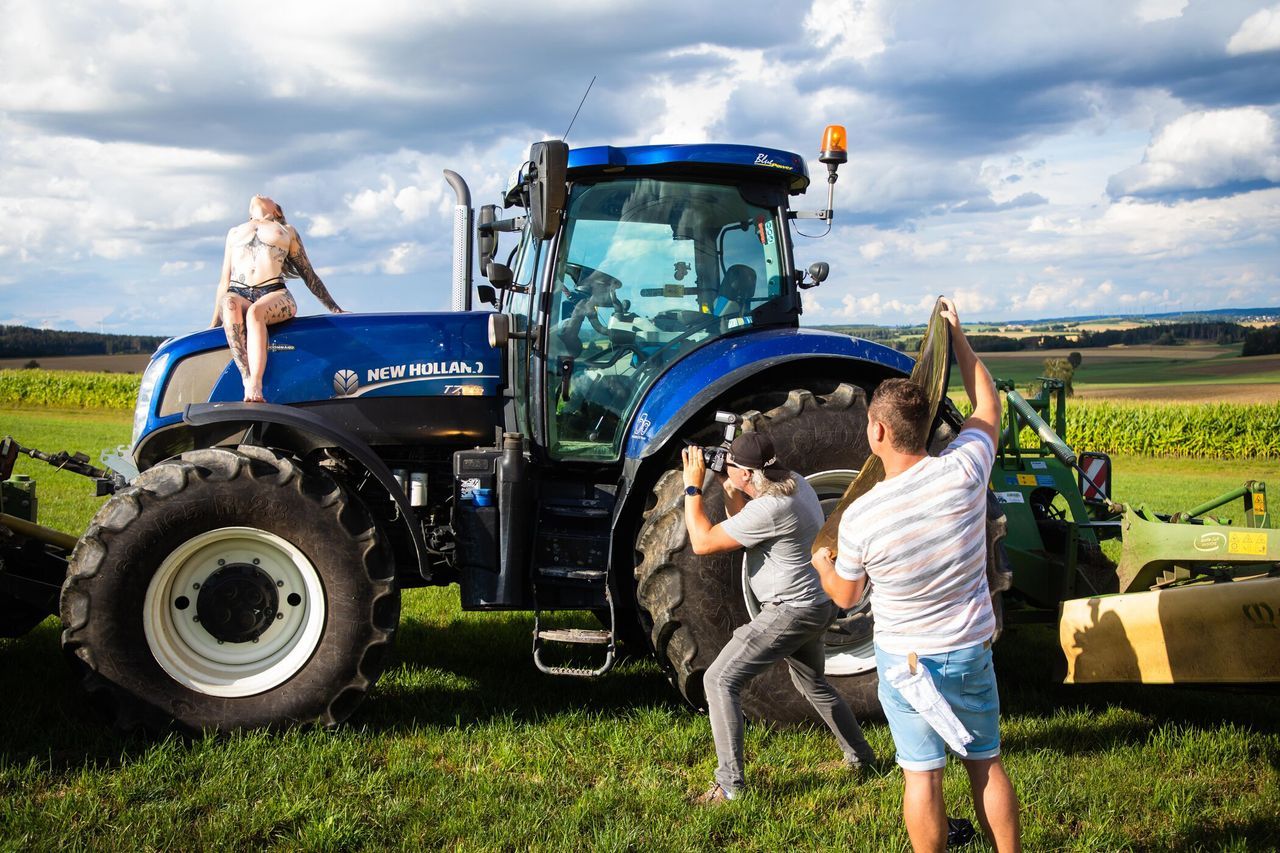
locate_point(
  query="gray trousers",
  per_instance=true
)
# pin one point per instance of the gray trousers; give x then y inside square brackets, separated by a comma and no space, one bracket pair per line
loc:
[779,631]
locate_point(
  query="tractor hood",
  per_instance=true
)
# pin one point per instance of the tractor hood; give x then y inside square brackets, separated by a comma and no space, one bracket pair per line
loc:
[327,358]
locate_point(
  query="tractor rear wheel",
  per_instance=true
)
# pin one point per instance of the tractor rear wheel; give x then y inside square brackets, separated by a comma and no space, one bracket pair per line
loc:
[693,603]
[230,589]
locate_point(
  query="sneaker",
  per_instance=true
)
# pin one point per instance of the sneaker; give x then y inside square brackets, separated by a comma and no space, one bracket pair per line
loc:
[714,796]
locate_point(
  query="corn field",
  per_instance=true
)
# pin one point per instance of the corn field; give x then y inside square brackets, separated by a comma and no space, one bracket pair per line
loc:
[1180,430]
[66,389]
[1199,431]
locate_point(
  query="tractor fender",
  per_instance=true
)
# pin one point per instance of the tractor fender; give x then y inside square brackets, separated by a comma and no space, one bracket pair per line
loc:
[716,370]
[306,431]
[707,373]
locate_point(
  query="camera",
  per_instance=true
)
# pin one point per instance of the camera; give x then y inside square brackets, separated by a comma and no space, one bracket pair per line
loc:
[716,457]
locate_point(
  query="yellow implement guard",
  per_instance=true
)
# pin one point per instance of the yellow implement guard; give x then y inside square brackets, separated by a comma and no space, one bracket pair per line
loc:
[1216,633]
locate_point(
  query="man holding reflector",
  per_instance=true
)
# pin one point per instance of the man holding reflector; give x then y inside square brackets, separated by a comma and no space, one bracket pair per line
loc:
[920,536]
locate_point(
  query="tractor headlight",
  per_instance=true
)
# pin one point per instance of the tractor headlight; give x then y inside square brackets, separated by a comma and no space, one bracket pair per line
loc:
[155,370]
[192,380]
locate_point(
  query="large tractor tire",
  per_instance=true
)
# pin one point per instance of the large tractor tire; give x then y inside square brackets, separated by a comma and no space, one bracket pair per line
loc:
[229,589]
[693,603]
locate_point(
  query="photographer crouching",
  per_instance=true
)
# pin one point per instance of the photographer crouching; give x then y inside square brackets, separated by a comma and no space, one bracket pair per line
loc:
[774,514]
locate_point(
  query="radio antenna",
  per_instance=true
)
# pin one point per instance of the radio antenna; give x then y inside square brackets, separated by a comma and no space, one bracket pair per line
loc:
[565,135]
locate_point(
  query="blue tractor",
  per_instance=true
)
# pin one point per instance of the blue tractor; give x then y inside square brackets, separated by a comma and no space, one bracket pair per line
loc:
[250,572]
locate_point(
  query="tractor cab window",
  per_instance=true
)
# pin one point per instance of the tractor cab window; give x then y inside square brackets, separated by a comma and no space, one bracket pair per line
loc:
[647,270]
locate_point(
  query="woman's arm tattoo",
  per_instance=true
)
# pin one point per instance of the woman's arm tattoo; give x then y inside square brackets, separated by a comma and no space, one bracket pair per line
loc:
[312,281]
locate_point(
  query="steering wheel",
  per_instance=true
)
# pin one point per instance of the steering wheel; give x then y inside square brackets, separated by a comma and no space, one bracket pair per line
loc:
[706,321]
[609,356]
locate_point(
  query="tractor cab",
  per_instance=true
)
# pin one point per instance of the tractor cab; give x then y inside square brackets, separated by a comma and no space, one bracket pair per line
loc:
[656,251]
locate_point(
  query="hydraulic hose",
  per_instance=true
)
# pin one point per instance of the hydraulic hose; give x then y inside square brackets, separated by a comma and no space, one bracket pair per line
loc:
[1048,437]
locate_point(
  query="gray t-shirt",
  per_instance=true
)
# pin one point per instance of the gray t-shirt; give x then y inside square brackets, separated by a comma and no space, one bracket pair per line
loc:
[778,534]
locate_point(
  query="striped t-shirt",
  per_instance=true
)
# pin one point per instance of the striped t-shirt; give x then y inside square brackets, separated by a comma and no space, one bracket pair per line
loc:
[921,538]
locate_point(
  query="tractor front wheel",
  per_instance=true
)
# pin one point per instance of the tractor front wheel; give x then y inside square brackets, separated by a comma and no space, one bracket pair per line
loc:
[230,589]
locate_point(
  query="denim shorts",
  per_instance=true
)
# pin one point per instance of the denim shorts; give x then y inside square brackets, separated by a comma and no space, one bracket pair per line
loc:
[966,679]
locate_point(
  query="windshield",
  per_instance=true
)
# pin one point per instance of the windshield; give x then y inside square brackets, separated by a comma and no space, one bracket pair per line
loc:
[647,270]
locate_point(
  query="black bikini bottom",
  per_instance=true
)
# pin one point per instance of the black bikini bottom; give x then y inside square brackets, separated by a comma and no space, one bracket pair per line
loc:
[253,294]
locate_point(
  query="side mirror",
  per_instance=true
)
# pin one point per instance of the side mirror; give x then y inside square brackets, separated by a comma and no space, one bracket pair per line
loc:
[550,162]
[499,330]
[504,327]
[499,275]
[486,236]
[487,294]
[818,272]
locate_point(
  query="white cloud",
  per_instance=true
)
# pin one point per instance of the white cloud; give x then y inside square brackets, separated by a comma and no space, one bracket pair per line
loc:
[1063,296]
[403,258]
[854,29]
[693,107]
[115,249]
[1260,32]
[972,301]
[176,267]
[1159,10]
[871,251]
[874,307]
[1203,150]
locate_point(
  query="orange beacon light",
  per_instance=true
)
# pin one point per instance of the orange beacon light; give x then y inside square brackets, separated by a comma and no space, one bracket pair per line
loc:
[833,150]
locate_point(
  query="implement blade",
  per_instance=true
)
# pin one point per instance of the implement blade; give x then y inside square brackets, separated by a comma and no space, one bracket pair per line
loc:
[931,372]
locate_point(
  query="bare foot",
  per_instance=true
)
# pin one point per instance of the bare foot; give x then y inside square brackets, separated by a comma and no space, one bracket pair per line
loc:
[253,395]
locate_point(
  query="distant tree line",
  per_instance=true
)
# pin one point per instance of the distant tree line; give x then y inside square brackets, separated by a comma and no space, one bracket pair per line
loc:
[1264,341]
[23,341]
[1166,334]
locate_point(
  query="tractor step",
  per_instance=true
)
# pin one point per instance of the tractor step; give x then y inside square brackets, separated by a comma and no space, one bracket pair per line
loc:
[572,671]
[571,573]
[542,637]
[576,636]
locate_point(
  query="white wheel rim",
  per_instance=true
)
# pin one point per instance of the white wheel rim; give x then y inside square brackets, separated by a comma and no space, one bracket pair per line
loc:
[197,659]
[852,659]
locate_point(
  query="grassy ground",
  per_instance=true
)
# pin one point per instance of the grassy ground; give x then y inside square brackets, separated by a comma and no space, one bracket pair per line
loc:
[66,500]
[463,745]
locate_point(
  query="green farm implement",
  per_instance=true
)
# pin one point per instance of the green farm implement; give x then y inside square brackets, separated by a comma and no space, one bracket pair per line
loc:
[1192,597]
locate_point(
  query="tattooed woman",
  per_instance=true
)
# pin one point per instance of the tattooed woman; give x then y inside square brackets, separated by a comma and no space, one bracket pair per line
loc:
[260,255]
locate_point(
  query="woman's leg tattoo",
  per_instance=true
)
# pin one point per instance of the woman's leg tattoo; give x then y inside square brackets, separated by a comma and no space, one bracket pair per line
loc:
[239,348]
[233,325]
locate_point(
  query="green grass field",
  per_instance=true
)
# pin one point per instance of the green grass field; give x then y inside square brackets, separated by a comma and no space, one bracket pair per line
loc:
[1175,373]
[464,745]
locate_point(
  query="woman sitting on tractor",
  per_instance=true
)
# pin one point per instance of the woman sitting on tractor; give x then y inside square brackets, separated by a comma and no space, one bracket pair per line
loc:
[259,256]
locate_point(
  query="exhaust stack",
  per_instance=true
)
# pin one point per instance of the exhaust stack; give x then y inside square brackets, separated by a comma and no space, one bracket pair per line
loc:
[462,236]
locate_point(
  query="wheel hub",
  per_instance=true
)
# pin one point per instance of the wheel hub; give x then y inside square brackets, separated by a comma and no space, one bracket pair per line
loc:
[237,603]
[234,611]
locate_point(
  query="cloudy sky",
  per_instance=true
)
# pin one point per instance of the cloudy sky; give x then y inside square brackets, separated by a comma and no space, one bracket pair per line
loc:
[1033,158]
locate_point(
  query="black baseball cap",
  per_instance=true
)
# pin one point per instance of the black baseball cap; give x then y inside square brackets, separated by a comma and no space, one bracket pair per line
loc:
[755,450]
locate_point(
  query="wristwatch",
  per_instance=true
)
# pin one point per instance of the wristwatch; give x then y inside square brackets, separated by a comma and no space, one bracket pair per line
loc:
[692,490]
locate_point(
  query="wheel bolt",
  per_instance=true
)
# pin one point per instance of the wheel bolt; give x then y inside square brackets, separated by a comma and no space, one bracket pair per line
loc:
[279,615]
[222,562]
[195,586]
[280,584]
[219,642]
[256,561]
[195,618]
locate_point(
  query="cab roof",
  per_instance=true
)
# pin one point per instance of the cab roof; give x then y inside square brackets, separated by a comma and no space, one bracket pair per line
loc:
[754,161]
